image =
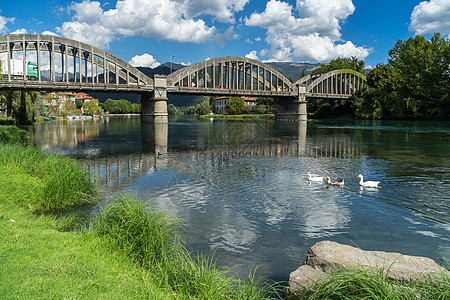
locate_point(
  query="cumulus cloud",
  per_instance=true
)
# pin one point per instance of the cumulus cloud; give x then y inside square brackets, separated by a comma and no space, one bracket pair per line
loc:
[3,22]
[144,60]
[222,10]
[310,31]
[430,17]
[163,19]
[252,55]
[20,31]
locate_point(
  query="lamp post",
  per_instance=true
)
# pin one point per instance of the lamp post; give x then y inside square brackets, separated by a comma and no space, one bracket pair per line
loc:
[171,63]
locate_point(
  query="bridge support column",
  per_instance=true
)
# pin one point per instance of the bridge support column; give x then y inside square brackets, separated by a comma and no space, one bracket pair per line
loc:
[293,109]
[154,105]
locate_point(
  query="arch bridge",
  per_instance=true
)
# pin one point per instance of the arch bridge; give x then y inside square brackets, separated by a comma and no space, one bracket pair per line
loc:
[52,63]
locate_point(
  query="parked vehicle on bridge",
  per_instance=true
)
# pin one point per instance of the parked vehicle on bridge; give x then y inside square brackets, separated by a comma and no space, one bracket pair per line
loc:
[31,69]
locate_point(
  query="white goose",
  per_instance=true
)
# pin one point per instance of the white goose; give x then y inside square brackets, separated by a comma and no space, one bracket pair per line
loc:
[314,178]
[370,184]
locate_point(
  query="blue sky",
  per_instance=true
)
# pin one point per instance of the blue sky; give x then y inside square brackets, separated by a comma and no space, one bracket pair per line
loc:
[150,32]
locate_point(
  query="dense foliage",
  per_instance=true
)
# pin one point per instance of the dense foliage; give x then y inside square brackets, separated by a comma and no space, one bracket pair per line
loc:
[121,106]
[21,105]
[203,108]
[91,108]
[415,84]
[351,63]
[235,106]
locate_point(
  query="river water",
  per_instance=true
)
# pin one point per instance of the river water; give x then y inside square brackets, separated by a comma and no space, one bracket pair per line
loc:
[242,191]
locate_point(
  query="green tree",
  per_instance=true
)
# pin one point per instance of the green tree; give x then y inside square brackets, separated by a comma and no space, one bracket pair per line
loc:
[423,69]
[91,108]
[172,110]
[203,107]
[351,63]
[380,98]
[78,103]
[235,106]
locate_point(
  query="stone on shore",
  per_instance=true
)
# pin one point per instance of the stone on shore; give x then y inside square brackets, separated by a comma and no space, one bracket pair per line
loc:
[326,256]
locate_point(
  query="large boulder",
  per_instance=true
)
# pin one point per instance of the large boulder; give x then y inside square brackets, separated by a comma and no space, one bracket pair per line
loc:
[327,256]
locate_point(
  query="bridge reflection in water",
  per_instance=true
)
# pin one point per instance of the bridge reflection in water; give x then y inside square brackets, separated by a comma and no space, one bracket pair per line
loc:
[228,142]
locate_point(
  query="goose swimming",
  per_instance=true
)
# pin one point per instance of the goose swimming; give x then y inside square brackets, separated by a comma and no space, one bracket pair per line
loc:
[314,178]
[370,184]
[334,182]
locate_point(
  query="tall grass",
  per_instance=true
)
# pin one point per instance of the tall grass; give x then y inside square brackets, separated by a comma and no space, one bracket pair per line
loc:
[56,181]
[359,283]
[12,134]
[154,240]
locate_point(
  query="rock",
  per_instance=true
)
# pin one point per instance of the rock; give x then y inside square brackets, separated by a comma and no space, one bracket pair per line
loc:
[326,256]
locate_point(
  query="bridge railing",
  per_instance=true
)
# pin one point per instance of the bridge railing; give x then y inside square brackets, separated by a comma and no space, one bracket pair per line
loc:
[46,61]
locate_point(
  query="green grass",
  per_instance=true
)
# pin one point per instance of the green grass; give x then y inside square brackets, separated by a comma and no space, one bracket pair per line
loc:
[359,283]
[48,182]
[12,134]
[39,262]
[154,241]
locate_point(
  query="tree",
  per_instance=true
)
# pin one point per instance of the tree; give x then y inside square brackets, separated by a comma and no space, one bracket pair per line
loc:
[203,107]
[91,108]
[351,63]
[423,69]
[380,98]
[172,110]
[235,106]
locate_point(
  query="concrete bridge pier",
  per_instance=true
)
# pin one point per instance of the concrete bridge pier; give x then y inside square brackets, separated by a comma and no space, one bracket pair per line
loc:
[154,104]
[293,108]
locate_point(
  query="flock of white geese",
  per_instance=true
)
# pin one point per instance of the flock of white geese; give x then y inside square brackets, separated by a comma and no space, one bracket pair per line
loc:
[369,184]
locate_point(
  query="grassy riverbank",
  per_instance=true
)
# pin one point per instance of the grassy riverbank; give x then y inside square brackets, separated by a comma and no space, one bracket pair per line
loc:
[128,252]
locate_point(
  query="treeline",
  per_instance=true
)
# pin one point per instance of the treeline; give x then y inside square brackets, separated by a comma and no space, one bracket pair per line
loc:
[413,85]
[234,106]
[121,106]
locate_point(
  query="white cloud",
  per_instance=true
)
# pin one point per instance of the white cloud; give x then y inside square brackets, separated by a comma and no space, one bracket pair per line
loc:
[164,19]
[430,17]
[144,60]
[94,34]
[87,11]
[223,10]
[258,39]
[314,34]
[3,22]
[252,55]
[20,31]
[49,33]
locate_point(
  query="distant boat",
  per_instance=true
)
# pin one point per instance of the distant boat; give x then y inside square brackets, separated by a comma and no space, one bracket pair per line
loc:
[47,119]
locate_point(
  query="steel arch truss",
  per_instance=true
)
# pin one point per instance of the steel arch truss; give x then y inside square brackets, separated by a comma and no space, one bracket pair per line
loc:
[230,75]
[340,83]
[65,64]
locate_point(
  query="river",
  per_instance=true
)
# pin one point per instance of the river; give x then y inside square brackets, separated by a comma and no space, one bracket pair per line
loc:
[242,191]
